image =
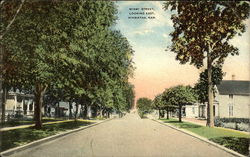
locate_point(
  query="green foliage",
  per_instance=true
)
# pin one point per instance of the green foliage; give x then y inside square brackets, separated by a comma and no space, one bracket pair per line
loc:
[158,102]
[203,26]
[71,48]
[202,30]
[202,85]
[180,95]
[144,106]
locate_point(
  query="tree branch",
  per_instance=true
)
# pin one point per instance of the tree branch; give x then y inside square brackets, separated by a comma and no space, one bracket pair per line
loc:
[12,21]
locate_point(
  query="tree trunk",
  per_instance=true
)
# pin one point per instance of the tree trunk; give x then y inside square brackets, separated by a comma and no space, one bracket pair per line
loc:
[70,109]
[58,110]
[180,106]
[210,116]
[76,112]
[39,93]
[85,112]
[1,86]
[159,114]
[4,99]
[108,114]
[167,113]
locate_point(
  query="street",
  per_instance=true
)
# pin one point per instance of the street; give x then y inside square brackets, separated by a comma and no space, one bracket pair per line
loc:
[128,136]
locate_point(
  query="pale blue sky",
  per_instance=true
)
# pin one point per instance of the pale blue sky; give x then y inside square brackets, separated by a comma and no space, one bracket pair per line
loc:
[157,69]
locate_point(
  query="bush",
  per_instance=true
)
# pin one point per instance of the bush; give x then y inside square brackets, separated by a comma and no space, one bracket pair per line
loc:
[234,120]
[233,123]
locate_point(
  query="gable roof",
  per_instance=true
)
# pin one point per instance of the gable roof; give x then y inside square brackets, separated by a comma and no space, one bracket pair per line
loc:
[234,87]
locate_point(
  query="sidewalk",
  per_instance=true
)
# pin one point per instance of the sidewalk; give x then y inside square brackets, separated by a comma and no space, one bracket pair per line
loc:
[30,125]
[196,121]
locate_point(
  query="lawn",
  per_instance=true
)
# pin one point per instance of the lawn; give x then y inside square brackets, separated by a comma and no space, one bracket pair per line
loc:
[18,137]
[234,140]
[13,123]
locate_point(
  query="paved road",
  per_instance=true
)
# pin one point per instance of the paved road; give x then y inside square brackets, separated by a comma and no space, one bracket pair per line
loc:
[129,136]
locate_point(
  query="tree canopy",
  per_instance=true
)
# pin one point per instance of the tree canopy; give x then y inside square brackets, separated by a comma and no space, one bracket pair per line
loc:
[202,30]
[70,47]
[176,97]
[144,106]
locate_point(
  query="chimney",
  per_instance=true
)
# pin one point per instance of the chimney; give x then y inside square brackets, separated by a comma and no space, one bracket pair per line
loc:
[233,77]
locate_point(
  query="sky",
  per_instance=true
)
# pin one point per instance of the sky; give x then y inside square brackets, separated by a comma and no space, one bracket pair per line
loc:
[156,67]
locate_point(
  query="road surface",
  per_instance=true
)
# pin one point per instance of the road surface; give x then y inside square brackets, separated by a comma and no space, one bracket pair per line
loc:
[128,136]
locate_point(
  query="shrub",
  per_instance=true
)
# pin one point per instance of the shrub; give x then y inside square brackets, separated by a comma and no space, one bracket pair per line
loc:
[233,123]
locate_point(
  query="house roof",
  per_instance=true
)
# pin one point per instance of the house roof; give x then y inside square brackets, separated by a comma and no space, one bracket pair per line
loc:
[234,87]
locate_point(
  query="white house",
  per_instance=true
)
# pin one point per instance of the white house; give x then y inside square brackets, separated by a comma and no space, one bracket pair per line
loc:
[233,97]
[192,111]
[19,104]
[232,100]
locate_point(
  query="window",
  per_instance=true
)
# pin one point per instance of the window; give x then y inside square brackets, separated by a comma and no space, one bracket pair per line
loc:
[193,110]
[230,96]
[230,109]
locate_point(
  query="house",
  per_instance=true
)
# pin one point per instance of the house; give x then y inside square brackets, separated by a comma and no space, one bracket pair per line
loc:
[232,100]
[19,104]
[233,97]
[192,111]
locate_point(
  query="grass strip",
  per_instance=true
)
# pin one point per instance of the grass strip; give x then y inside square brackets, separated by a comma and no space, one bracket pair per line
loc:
[236,141]
[13,123]
[18,137]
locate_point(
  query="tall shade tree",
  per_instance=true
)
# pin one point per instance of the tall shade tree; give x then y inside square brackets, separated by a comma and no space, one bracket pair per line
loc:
[202,30]
[25,40]
[6,67]
[70,46]
[179,96]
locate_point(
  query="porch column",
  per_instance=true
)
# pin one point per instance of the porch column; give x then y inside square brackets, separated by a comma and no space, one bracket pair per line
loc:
[15,99]
[89,112]
[23,101]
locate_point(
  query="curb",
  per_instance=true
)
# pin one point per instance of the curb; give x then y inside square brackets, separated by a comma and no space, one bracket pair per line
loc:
[201,138]
[46,139]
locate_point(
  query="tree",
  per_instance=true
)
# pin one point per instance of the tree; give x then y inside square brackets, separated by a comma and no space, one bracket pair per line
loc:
[58,44]
[158,104]
[202,83]
[203,30]
[144,106]
[179,96]
[166,104]
[8,25]
[60,50]
[129,94]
